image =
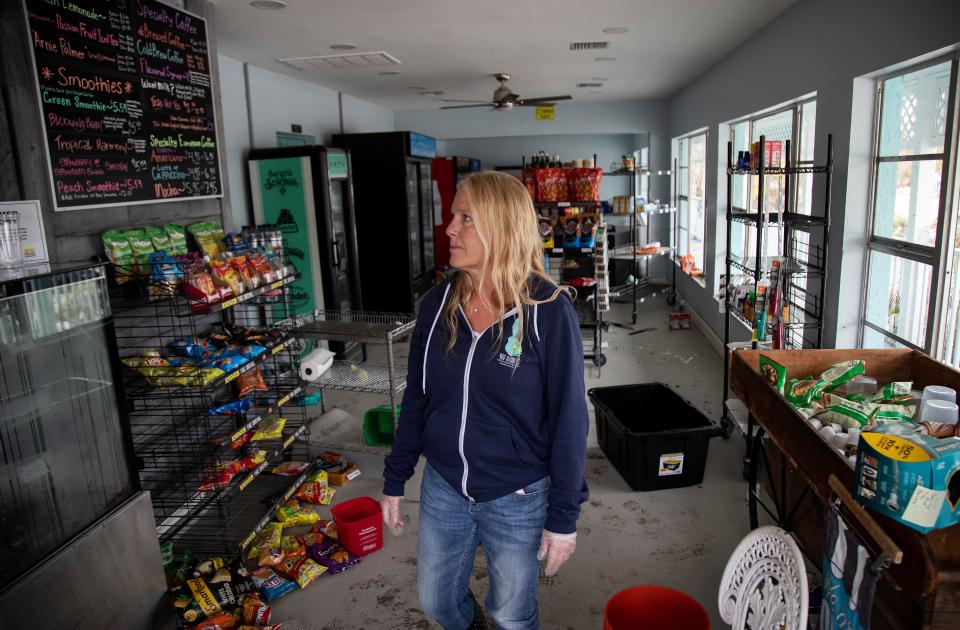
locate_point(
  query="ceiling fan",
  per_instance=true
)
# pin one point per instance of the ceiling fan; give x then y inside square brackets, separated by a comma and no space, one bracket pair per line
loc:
[504,98]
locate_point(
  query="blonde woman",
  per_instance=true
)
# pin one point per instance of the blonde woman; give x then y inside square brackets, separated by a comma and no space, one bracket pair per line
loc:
[495,401]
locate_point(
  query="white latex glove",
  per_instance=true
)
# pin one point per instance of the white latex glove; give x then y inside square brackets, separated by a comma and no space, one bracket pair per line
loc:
[390,506]
[557,549]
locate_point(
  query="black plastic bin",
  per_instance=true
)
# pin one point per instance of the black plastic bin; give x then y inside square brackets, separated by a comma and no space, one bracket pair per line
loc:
[655,437]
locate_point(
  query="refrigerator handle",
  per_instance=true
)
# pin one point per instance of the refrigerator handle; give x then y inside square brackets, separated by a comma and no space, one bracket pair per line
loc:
[336,253]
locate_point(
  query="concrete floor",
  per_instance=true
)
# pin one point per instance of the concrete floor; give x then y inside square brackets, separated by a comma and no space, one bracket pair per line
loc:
[680,538]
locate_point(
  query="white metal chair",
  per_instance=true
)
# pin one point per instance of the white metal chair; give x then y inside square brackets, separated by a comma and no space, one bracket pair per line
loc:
[764,585]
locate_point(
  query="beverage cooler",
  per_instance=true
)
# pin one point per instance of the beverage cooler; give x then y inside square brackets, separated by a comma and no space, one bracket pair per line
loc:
[392,172]
[307,192]
[447,173]
[74,524]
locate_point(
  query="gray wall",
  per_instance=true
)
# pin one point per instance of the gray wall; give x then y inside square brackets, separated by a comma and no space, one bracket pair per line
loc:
[257,103]
[817,46]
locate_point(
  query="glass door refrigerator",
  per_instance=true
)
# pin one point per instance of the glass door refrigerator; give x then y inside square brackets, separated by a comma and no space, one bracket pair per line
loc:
[307,192]
[392,172]
[447,173]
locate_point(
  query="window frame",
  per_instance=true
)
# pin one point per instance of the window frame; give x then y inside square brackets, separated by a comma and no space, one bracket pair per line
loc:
[935,256]
[685,198]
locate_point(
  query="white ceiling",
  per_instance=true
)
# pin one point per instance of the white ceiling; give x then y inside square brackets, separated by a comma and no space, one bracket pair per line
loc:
[456,45]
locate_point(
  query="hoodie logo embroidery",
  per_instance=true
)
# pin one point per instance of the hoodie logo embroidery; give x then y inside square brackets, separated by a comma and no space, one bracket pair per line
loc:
[513,347]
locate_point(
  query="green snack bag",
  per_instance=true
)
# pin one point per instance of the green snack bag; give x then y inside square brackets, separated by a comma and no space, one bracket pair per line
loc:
[142,248]
[118,251]
[846,413]
[895,392]
[773,373]
[887,414]
[158,237]
[837,375]
[178,238]
[802,392]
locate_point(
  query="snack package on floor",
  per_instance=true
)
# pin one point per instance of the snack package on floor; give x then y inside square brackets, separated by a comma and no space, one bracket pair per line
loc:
[315,492]
[254,611]
[292,547]
[272,586]
[338,559]
[221,621]
[250,382]
[318,476]
[329,459]
[177,237]
[268,536]
[331,530]
[316,534]
[268,429]
[290,469]
[233,407]
[219,476]
[292,513]
[214,598]
[774,373]
[323,548]
[837,375]
[258,627]
[209,567]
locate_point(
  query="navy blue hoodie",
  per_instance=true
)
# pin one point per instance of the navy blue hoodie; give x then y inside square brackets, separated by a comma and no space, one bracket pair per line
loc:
[492,420]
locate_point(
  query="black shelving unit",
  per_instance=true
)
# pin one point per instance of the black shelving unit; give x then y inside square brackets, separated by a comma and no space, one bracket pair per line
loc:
[801,261]
[177,444]
[642,288]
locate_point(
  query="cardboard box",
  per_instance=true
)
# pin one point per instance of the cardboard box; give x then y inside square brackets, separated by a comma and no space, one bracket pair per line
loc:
[342,475]
[912,478]
[772,154]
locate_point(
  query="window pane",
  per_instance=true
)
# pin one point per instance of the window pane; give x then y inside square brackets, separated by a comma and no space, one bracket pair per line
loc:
[683,207]
[914,113]
[775,127]
[808,120]
[696,231]
[874,339]
[949,351]
[898,294]
[908,200]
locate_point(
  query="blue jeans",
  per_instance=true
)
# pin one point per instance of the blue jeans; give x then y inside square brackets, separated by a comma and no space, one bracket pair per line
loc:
[451,529]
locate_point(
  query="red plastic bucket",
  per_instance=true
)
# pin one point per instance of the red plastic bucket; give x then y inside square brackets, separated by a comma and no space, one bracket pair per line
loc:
[654,608]
[359,525]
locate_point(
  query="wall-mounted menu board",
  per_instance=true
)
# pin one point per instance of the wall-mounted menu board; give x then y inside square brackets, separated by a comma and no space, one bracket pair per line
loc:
[126,98]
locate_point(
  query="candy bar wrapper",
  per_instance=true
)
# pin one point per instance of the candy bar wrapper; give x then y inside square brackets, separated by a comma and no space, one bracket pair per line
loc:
[774,373]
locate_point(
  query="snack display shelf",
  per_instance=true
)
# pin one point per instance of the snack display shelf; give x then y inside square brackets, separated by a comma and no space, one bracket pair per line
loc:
[748,267]
[788,218]
[560,252]
[567,204]
[363,326]
[629,256]
[287,494]
[780,170]
[644,172]
[644,293]
[183,511]
[363,377]
[146,390]
[258,418]
[217,307]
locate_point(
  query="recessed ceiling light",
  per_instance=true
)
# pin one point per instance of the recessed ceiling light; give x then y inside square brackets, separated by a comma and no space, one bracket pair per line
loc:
[616,30]
[343,47]
[268,5]
[605,59]
[599,79]
[418,87]
[388,73]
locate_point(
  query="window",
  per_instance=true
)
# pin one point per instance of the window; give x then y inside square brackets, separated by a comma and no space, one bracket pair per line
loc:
[914,245]
[795,123]
[690,182]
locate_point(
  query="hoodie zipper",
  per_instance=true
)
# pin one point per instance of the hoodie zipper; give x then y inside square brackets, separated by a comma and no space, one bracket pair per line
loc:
[463,412]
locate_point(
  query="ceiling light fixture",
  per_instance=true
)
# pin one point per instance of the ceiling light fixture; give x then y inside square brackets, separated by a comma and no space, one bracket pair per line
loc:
[599,79]
[388,73]
[268,5]
[605,59]
[616,30]
[343,47]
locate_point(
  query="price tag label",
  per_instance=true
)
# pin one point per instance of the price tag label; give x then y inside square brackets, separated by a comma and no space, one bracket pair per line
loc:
[229,303]
[289,441]
[278,348]
[246,482]
[277,284]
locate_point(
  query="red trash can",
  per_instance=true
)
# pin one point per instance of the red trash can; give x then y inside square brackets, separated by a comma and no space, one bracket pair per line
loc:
[654,608]
[359,525]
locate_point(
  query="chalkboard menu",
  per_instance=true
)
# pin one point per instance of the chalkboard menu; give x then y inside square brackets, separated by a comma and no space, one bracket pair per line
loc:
[124,88]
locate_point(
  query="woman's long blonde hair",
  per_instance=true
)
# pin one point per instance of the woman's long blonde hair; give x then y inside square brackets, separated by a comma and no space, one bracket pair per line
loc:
[506,223]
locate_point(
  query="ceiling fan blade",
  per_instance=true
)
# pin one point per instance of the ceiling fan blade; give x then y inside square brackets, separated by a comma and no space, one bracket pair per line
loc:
[460,100]
[543,99]
[465,106]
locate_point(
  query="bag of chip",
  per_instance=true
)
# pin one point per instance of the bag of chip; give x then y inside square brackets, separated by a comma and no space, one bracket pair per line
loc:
[331,530]
[219,476]
[290,469]
[272,586]
[254,459]
[337,559]
[215,598]
[318,476]
[890,413]
[310,491]
[292,547]
[210,566]
[142,248]
[897,392]
[315,536]
[235,242]
[177,237]
[249,351]
[159,239]
[243,440]
[847,413]
[208,236]
[773,373]
[194,348]
[252,381]
[226,276]
[292,513]
[233,407]
[224,360]
[803,392]
[220,621]
[254,611]
[308,571]
[268,536]
[268,429]
[837,375]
